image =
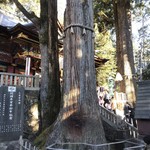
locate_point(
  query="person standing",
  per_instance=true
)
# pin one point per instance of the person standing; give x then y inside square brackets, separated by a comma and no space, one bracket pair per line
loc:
[132,119]
[106,99]
[113,105]
[100,94]
[127,109]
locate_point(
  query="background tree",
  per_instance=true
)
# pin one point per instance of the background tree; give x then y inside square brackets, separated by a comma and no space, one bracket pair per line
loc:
[104,49]
[141,16]
[117,14]
[104,40]
[146,73]
[125,59]
[9,8]
[103,15]
[50,82]
[80,119]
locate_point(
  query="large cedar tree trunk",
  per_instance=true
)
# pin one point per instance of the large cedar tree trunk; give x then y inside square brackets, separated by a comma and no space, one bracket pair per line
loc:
[125,59]
[50,82]
[80,120]
[54,84]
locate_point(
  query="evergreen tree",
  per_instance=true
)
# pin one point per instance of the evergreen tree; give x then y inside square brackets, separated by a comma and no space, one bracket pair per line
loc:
[80,120]
[125,59]
[141,16]
[120,18]
[105,50]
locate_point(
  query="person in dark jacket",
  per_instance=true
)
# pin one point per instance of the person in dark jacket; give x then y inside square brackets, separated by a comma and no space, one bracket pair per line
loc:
[127,110]
[106,99]
[132,119]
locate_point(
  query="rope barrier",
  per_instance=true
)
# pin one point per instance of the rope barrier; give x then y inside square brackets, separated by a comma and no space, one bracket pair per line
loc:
[99,145]
[79,25]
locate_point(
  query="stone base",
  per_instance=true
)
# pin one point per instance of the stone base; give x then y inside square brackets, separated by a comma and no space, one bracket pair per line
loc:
[12,145]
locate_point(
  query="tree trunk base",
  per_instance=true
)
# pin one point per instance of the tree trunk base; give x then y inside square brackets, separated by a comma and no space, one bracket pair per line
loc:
[77,133]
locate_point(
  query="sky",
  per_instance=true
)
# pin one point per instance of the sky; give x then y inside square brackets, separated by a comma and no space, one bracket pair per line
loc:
[61,7]
[136,25]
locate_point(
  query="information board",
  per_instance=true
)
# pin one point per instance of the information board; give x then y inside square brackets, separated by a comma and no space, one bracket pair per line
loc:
[11,112]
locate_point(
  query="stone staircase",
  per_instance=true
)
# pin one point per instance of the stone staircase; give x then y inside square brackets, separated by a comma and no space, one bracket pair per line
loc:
[115,127]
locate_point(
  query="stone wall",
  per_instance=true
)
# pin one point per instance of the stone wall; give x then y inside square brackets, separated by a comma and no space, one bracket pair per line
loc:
[31,114]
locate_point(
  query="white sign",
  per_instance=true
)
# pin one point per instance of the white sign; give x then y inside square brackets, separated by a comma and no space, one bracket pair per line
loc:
[11,89]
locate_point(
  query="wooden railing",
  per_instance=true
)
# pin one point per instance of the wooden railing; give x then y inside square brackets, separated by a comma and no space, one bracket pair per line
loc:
[110,116]
[115,119]
[29,82]
[133,131]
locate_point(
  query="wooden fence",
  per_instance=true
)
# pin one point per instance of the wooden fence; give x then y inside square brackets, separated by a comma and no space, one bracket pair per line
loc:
[115,119]
[29,82]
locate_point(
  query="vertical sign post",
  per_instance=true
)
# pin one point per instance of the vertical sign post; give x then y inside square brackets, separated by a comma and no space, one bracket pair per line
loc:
[11,112]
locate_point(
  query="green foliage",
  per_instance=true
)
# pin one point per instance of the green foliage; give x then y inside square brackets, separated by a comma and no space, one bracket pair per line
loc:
[105,50]
[103,14]
[146,73]
[104,24]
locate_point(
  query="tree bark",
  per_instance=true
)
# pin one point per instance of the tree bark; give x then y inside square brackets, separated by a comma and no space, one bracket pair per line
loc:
[80,119]
[125,59]
[50,80]
[54,84]
[50,95]
[44,40]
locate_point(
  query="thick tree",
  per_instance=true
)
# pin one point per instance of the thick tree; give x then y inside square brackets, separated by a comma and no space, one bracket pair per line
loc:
[125,60]
[79,120]
[50,82]
[117,13]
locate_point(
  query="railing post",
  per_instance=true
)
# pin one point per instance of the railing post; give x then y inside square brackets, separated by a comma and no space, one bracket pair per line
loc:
[37,81]
[2,79]
[20,143]
[26,145]
[6,80]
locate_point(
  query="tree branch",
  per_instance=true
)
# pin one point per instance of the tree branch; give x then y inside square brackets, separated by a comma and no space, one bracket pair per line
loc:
[31,16]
